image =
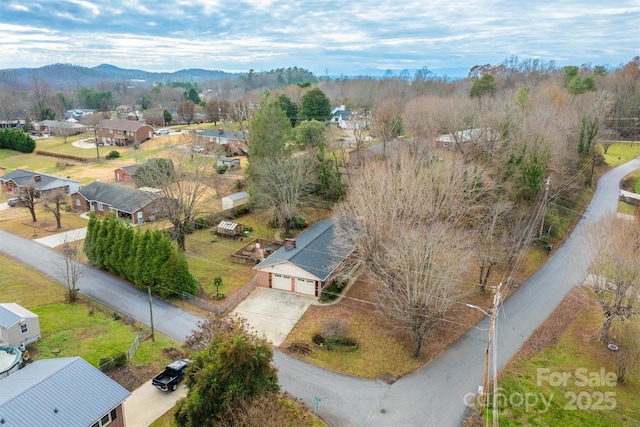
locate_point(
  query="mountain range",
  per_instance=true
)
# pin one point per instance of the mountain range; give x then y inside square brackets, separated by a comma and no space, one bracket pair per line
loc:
[68,76]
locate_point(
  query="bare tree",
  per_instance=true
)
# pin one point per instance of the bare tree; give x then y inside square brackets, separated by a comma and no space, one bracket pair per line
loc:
[187,110]
[490,229]
[182,187]
[283,183]
[41,99]
[71,268]
[404,218]
[30,196]
[53,201]
[615,270]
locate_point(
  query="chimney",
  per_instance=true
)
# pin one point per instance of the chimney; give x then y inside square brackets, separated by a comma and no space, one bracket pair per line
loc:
[37,178]
[220,131]
[289,244]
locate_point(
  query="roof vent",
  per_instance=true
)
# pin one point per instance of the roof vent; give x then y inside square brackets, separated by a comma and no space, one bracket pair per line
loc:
[37,178]
[55,410]
[220,131]
[289,244]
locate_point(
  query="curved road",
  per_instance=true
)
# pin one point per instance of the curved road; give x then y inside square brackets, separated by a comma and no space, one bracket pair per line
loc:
[432,396]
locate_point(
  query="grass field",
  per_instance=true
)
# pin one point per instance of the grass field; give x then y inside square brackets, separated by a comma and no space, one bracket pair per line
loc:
[83,328]
[570,382]
[621,152]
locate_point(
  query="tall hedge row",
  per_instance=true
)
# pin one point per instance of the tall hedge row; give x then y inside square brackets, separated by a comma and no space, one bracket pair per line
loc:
[145,258]
[16,139]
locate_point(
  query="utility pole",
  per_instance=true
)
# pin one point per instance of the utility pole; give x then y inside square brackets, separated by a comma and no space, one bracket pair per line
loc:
[544,204]
[153,337]
[494,315]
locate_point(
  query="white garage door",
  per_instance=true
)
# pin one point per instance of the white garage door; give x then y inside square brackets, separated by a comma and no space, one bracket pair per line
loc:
[278,281]
[305,286]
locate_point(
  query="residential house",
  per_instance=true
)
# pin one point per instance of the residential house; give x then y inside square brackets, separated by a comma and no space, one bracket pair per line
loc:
[466,136]
[305,264]
[230,162]
[18,326]
[125,173]
[59,127]
[61,392]
[234,200]
[229,142]
[123,132]
[132,204]
[17,181]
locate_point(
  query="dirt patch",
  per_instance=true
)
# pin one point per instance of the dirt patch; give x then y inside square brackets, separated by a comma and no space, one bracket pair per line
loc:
[132,377]
[46,225]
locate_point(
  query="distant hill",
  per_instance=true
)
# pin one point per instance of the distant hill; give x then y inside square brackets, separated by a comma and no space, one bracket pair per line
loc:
[68,76]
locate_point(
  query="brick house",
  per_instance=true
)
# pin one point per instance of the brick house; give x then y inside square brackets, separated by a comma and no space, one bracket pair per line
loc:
[123,132]
[219,140]
[306,264]
[15,181]
[134,205]
[125,173]
[64,391]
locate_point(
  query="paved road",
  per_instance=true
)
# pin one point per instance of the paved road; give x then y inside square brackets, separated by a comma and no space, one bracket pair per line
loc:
[103,287]
[434,395]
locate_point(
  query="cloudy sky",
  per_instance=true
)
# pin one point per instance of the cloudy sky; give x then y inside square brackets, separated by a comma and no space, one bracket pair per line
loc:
[326,37]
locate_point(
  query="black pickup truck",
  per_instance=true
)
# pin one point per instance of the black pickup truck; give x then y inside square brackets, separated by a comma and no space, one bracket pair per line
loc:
[168,379]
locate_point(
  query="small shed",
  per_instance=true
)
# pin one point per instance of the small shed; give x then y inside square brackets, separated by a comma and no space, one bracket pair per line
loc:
[229,229]
[18,326]
[235,200]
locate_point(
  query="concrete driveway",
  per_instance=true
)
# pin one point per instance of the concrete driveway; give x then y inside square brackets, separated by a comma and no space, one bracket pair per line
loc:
[273,313]
[147,403]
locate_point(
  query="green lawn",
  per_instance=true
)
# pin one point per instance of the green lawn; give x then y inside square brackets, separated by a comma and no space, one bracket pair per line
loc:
[80,329]
[578,355]
[621,152]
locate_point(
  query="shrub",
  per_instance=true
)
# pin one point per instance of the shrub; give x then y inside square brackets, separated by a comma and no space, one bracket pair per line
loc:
[120,360]
[333,291]
[298,222]
[113,155]
[239,184]
[333,329]
[222,169]
[201,223]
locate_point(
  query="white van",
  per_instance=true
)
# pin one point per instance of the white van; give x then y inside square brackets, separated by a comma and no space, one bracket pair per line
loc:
[162,132]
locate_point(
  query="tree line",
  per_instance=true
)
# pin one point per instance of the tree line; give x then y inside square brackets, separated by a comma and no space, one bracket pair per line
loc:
[146,258]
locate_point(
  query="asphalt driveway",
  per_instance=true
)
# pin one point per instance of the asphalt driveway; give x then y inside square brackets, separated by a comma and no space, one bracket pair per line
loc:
[273,313]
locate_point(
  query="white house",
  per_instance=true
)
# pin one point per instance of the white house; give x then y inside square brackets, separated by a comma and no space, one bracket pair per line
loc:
[235,200]
[18,325]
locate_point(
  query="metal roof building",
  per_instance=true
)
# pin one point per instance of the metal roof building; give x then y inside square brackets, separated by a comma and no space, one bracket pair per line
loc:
[60,392]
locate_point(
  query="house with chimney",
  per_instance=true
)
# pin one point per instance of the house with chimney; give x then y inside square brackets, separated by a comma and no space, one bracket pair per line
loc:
[221,141]
[123,132]
[306,264]
[17,181]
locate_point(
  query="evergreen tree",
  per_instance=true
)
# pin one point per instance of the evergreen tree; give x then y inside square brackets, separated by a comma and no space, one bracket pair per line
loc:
[289,107]
[141,274]
[175,277]
[315,105]
[234,367]
[90,238]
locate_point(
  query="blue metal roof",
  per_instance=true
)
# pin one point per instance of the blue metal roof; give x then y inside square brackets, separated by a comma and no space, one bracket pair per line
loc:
[58,392]
[316,251]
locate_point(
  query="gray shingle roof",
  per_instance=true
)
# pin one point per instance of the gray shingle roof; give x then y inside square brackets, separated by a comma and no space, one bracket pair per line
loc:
[216,133]
[47,182]
[80,393]
[122,124]
[131,169]
[238,196]
[124,199]
[315,251]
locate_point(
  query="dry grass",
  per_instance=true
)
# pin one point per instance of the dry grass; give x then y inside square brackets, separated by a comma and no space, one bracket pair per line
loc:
[384,350]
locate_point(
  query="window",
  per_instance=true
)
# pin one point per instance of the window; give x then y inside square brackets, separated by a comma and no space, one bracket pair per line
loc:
[106,420]
[77,202]
[100,206]
[23,328]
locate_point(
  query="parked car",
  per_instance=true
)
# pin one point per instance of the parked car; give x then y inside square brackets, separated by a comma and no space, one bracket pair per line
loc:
[198,149]
[15,201]
[169,379]
[162,132]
